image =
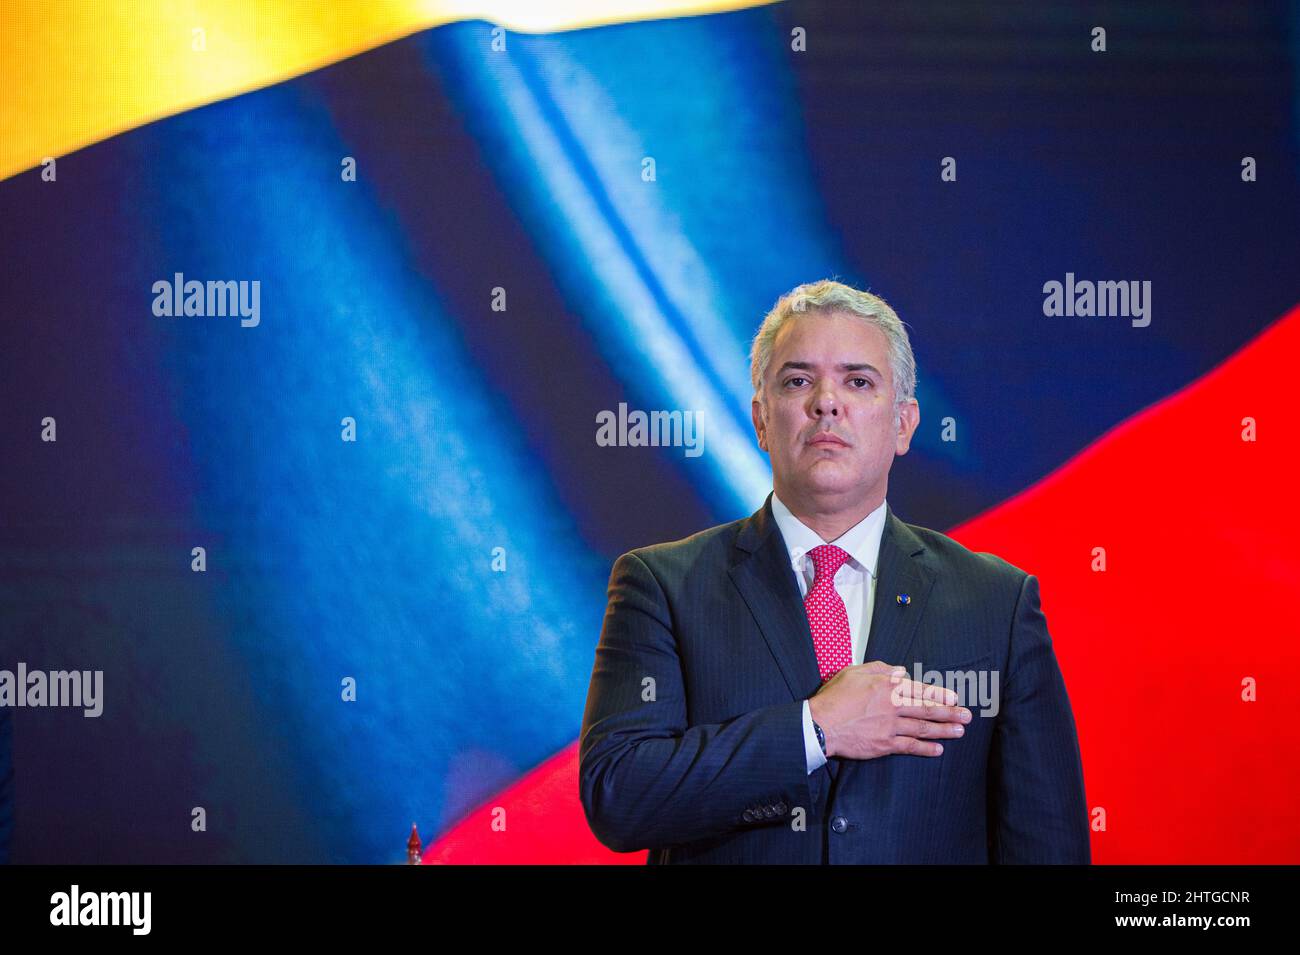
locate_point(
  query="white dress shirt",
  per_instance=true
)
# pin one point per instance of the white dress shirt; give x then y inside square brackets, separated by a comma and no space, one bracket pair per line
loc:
[855,582]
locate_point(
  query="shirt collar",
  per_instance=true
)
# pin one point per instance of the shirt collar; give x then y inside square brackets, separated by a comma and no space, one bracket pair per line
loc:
[862,540]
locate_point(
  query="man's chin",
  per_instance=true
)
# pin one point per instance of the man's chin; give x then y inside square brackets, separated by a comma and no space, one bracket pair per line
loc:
[830,477]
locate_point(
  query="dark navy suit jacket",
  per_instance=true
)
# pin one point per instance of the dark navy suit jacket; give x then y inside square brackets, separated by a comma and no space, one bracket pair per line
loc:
[692,741]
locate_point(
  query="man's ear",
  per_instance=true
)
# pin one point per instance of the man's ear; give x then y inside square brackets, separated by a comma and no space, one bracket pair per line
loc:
[909,417]
[760,427]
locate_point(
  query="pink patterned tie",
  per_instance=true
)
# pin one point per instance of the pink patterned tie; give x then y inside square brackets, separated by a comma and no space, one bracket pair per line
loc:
[827,618]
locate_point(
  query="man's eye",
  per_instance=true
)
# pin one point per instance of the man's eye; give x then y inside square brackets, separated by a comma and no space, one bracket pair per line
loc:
[864,380]
[791,381]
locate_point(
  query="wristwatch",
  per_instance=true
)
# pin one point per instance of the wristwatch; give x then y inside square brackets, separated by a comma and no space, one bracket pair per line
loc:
[821,736]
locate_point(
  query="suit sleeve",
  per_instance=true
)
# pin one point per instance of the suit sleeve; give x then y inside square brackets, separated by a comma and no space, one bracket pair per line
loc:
[647,779]
[813,755]
[1037,807]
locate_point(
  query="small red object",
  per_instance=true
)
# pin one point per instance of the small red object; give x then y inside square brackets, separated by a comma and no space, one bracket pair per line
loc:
[413,847]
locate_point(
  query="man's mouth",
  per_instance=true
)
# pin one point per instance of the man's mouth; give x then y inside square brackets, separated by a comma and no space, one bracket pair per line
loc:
[829,439]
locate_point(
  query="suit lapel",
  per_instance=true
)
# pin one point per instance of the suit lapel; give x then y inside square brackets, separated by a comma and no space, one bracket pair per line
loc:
[898,571]
[765,579]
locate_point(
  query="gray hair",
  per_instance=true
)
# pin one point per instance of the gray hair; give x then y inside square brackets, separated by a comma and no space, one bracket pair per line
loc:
[829,296]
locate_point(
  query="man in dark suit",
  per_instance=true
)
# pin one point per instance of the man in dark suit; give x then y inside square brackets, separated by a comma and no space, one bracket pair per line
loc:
[732,716]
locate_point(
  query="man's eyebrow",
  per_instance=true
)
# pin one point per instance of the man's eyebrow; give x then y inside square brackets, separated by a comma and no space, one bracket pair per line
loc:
[842,366]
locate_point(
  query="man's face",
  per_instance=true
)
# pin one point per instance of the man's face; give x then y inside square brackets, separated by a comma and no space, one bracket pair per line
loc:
[829,421]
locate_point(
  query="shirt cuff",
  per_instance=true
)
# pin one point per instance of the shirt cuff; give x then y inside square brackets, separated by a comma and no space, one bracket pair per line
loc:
[811,748]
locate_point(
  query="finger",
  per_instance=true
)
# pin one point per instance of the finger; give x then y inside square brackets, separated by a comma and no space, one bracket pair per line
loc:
[916,747]
[940,694]
[936,712]
[928,729]
[910,692]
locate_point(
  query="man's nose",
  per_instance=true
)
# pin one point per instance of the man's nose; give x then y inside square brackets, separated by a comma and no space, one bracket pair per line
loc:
[825,402]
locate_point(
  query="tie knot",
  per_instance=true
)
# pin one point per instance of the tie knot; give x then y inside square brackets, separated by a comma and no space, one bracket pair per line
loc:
[827,560]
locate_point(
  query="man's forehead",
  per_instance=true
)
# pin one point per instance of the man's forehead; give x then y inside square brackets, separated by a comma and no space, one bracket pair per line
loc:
[860,347]
[852,331]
